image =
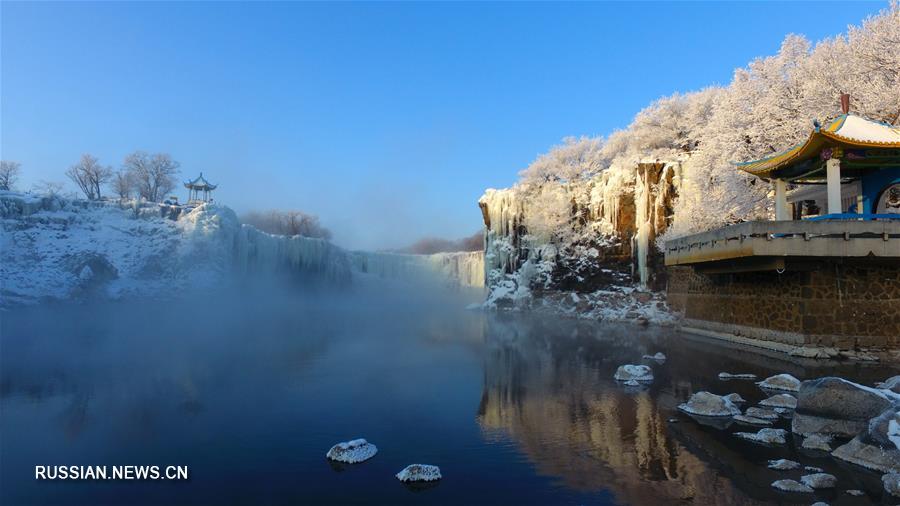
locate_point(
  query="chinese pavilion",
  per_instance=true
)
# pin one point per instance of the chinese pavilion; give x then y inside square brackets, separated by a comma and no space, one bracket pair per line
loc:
[199,190]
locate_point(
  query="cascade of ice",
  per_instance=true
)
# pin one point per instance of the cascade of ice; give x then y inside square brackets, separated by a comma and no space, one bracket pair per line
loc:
[261,252]
[641,239]
[460,268]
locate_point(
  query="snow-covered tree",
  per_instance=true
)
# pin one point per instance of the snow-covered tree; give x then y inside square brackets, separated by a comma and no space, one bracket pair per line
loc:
[153,175]
[122,184]
[90,176]
[9,174]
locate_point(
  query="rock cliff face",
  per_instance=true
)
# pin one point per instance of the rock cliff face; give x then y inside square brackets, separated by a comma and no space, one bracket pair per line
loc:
[608,235]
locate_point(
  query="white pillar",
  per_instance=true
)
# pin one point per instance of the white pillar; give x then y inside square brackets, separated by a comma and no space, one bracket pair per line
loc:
[833,168]
[781,209]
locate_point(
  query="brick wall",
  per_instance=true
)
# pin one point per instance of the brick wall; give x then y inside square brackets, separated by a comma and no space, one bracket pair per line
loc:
[846,304]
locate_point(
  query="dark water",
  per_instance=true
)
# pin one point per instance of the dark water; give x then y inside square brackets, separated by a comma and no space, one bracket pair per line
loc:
[250,392]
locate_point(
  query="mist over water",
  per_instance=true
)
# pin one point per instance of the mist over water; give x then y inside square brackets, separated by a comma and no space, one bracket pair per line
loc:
[250,387]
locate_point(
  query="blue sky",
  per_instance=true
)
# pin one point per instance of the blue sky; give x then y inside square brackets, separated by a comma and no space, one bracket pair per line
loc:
[388,120]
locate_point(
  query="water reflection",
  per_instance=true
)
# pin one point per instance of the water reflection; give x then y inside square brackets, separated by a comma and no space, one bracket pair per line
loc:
[552,393]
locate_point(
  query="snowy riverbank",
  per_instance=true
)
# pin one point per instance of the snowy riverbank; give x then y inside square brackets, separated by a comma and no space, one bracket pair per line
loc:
[53,248]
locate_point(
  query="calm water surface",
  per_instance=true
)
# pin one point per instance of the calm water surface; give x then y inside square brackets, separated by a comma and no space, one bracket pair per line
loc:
[251,391]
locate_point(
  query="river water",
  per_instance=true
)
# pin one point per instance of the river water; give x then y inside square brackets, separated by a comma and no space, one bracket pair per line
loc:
[250,390]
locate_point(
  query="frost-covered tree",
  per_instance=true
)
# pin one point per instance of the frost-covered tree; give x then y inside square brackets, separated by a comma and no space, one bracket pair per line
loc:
[9,174]
[90,176]
[122,184]
[153,175]
[47,188]
[289,223]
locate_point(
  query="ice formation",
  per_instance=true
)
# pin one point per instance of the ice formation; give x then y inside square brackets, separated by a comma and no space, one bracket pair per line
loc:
[659,357]
[780,401]
[352,452]
[419,472]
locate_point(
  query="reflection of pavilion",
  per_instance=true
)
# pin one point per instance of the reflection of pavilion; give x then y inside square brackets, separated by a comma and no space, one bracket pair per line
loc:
[831,253]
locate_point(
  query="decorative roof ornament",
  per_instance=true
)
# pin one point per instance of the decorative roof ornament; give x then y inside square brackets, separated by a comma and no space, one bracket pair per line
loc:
[200,183]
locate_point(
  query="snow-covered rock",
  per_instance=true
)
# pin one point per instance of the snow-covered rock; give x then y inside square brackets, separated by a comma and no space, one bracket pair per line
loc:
[708,404]
[836,406]
[855,492]
[658,356]
[813,469]
[791,486]
[419,472]
[892,384]
[783,465]
[786,401]
[891,483]
[352,452]
[783,382]
[749,420]
[860,452]
[762,413]
[819,480]
[735,398]
[629,372]
[765,436]
[728,376]
[821,442]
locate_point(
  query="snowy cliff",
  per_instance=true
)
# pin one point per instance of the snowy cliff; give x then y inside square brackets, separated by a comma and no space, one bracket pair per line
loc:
[595,235]
[56,248]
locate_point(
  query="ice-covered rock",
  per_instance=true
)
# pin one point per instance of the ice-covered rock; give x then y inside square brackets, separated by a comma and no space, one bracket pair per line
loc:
[783,382]
[836,406]
[762,413]
[765,436]
[884,429]
[814,352]
[632,383]
[629,372]
[735,398]
[783,465]
[786,401]
[419,472]
[891,483]
[707,404]
[749,420]
[813,469]
[821,442]
[659,357]
[819,480]
[892,384]
[351,452]
[855,492]
[860,452]
[729,376]
[791,486]
[820,503]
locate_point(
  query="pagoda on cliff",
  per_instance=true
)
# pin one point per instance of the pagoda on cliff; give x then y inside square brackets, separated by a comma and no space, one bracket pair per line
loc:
[199,190]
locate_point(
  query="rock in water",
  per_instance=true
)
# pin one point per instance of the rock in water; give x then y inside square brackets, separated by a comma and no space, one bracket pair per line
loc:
[765,436]
[749,420]
[819,480]
[419,472]
[762,413]
[891,484]
[892,384]
[735,398]
[351,452]
[787,401]
[791,486]
[631,372]
[783,465]
[659,357]
[784,382]
[869,456]
[728,376]
[707,404]
[836,406]
[817,442]
[884,429]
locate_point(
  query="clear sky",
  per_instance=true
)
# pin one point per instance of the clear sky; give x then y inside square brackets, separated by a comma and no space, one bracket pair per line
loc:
[388,120]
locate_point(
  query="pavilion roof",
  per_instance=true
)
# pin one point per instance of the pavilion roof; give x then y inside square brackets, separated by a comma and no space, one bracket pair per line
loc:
[847,131]
[200,183]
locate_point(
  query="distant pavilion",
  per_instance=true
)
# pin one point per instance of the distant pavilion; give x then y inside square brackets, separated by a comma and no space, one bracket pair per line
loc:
[199,190]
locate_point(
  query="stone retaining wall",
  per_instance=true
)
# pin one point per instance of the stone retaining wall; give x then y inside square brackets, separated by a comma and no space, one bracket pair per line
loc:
[846,304]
